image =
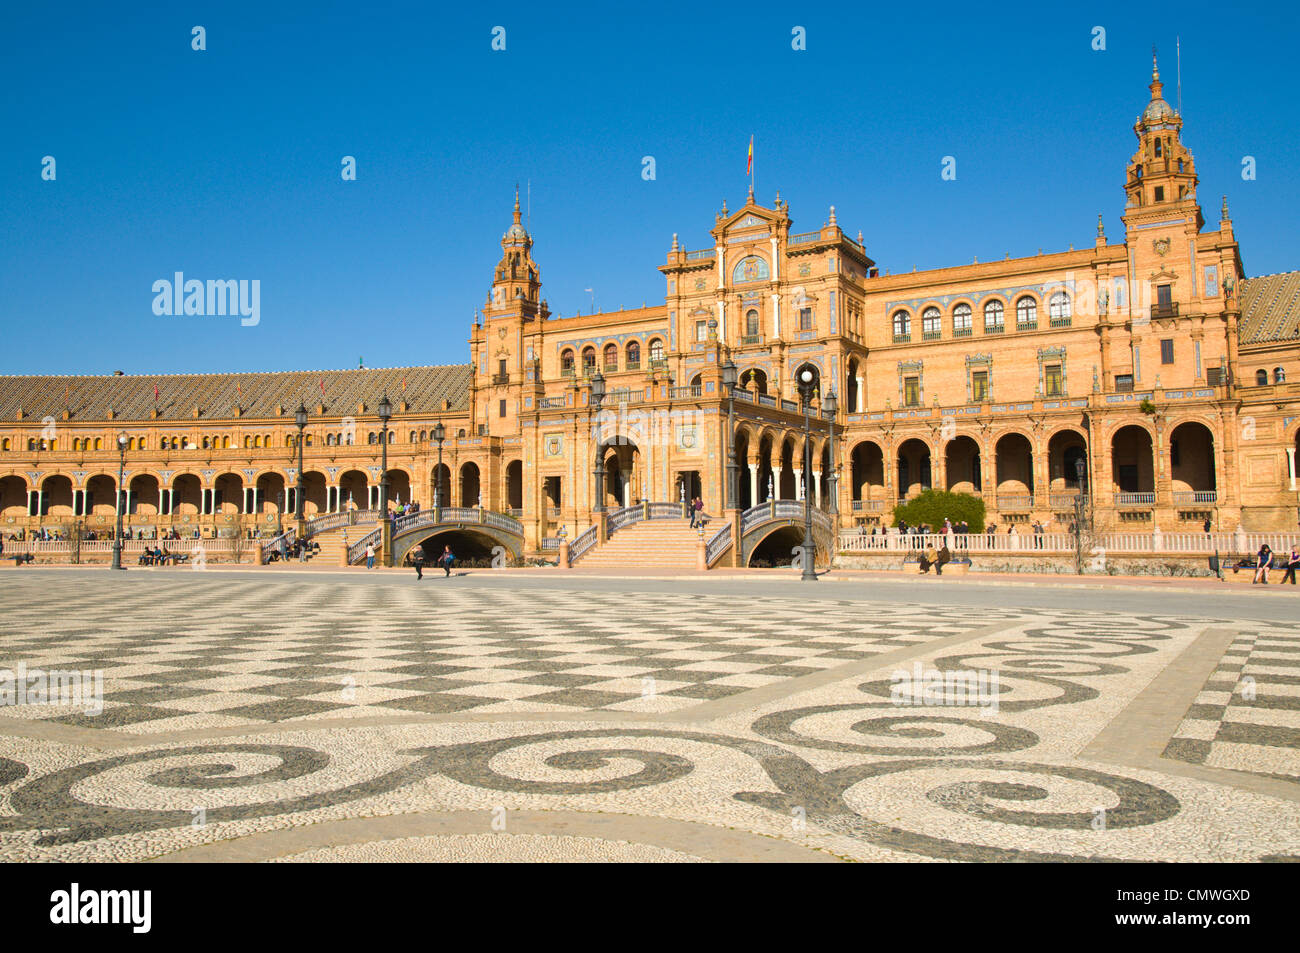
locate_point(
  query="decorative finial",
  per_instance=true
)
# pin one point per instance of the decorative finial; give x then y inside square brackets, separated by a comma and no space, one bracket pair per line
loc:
[1223,212]
[516,203]
[751,193]
[1155,68]
[778,198]
[675,245]
[724,207]
[859,236]
[1101,231]
[832,214]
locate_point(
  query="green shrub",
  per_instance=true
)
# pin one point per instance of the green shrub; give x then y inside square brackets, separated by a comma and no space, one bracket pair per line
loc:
[933,506]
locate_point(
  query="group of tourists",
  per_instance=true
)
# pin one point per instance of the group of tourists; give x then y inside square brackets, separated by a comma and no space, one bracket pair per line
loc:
[697,513]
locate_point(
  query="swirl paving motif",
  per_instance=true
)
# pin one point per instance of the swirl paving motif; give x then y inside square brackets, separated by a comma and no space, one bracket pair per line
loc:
[834,747]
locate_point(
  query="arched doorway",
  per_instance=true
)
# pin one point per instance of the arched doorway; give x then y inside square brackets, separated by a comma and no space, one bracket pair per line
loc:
[913,468]
[354,490]
[619,461]
[469,484]
[100,492]
[187,494]
[852,388]
[13,496]
[1132,460]
[515,486]
[270,493]
[440,480]
[399,487]
[1191,463]
[1065,451]
[789,488]
[867,473]
[56,496]
[144,494]
[1014,456]
[766,488]
[228,494]
[962,470]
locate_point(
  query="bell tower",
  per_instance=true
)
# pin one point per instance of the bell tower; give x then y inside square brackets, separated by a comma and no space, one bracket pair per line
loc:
[1161,180]
[517,281]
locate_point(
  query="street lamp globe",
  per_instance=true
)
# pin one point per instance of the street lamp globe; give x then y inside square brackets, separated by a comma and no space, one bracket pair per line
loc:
[439,432]
[300,415]
[122,441]
[831,404]
[385,409]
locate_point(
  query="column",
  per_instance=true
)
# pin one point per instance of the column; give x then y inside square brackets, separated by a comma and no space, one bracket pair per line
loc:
[161,491]
[627,487]
[817,488]
[861,396]
[778,475]
[40,501]
[171,501]
[776,316]
[1290,465]
[798,482]
[127,494]
[753,481]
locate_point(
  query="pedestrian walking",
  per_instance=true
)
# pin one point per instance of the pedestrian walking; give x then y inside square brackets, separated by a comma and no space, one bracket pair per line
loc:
[370,555]
[446,559]
[417,560]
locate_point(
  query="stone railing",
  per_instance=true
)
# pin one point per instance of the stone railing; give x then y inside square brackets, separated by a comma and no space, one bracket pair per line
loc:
[717,544]
[584,542]
[1153,543]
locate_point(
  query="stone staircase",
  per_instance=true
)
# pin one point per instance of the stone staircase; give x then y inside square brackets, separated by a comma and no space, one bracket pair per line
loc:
[651,544]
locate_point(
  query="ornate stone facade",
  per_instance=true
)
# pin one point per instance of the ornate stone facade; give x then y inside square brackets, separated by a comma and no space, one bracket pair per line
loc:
[1149,371]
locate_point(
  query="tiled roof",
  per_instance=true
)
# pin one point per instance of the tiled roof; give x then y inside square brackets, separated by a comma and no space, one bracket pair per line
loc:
[257,395]
[1270,308]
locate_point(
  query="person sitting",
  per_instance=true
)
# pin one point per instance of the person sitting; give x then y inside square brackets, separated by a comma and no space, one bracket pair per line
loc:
[945,557]
[929,558]
[1291,563]
[1263,563]
[20,558]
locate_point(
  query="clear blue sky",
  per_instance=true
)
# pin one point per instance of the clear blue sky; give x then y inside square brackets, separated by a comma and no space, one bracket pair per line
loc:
[226,163]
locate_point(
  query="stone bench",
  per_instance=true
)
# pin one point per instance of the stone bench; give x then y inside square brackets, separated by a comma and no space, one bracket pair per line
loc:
[957,566]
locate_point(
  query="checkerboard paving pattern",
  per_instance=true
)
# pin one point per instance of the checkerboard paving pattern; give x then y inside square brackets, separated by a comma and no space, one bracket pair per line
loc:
[1247,716]
[229,653]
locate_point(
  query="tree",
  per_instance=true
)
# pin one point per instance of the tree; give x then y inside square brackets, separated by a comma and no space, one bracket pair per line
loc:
[934,506]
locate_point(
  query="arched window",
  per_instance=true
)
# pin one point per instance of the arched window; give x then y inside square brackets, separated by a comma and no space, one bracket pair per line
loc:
[902,325]
[993,317]
[99,443]
[633,356]
[1058,309]
[371,438]
[1026,312]
[656,350]
[611,357]
[6,443]
[961,320]
[1261,377]
[930,328]
[566,363]
[588,360]
[392,437]
[1279,376]
[751,323]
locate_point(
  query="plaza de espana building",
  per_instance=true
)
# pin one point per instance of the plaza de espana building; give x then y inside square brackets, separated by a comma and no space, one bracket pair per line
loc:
[1149,369]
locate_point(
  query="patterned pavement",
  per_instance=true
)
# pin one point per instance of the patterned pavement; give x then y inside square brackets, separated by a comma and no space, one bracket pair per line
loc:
[270,718]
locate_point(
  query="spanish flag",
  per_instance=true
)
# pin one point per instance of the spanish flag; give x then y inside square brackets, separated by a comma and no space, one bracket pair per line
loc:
[749,165]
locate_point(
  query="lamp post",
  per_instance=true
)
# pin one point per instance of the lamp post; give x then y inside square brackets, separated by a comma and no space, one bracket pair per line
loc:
[1080,501]
[439,434]
[805,382]
[729,382]
[597,396]
[121,475]
[385,412]
[832,405]
[299,418]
